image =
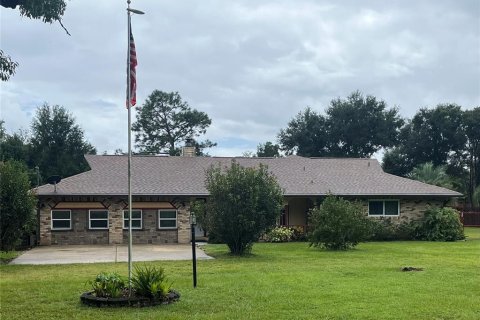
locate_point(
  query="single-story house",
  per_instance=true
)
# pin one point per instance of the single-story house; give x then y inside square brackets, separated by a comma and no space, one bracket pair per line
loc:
[91,207]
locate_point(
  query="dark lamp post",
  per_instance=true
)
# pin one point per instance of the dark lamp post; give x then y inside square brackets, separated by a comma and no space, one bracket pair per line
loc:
[193,222]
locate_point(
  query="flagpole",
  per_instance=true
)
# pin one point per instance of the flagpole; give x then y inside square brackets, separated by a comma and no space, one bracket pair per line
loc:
[129,104]
[131,45]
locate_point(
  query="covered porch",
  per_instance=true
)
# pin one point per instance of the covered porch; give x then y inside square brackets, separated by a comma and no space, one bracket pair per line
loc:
[295,212]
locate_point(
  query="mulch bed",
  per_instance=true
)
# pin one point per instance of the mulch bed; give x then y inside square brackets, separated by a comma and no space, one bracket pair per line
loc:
[88,298]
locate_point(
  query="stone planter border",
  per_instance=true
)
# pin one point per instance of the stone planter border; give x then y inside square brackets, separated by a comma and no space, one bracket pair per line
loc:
[89,299]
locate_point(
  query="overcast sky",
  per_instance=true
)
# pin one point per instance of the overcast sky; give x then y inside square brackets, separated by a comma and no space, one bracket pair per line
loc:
[250,65]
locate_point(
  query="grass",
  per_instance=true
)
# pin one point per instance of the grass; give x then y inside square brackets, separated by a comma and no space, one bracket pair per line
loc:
[278,281]
[7,256]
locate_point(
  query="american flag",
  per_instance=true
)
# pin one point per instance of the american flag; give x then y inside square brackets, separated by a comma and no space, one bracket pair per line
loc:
[133,64]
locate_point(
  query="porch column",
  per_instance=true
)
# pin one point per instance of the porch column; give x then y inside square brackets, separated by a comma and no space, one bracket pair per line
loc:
[115,223]
[183,223]
[45,226]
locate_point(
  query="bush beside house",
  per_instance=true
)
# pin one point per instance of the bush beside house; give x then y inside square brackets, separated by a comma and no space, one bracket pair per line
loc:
[440,224]
[339,224]
[384,229]
[243,204]
[437,224]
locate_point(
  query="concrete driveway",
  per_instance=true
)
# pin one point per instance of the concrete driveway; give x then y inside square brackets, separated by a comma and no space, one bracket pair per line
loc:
[103,253]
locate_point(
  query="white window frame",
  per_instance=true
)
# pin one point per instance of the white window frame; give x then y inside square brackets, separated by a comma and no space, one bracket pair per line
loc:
[69,220]
[383,210]
[90,220]
[141,219]
[169,219]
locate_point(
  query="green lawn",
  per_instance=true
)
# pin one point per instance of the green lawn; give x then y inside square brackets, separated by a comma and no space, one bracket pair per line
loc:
[7,256]
[279,281]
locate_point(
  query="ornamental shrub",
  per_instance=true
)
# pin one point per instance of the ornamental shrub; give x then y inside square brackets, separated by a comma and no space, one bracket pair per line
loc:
[441,224]
[339,224]
[150,282]
[298,233]
[243,204]
[108,285]
[383,229]
[279,234]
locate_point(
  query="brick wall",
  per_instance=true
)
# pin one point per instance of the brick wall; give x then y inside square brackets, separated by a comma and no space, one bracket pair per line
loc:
[81,234]
[410,209]
[415,209]
[150,234]
[183,222]
[115,223]
[45,226]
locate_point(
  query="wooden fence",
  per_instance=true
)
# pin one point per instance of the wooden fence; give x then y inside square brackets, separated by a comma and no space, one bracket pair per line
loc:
[470,217]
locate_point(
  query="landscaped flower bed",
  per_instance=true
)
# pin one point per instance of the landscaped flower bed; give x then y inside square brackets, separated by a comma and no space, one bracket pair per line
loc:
[149,287]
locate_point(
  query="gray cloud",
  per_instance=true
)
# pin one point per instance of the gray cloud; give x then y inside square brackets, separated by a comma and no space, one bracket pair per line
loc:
[251,65]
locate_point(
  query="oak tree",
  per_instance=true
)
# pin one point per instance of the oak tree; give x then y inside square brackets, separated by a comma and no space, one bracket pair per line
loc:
[58,144]
[357,126]
[165,120]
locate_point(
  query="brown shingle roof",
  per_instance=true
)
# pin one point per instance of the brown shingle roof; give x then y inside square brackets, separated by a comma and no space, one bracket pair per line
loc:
[162,175]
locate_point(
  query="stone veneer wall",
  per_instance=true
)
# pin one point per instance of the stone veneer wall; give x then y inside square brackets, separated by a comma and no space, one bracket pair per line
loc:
[45,226]
[115,223]
[414,209]
[410,209]
[150,234]
[183,223]
[80,234]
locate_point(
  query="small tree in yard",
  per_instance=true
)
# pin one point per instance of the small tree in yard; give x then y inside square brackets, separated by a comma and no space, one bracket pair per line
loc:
[243,204]
[339,224]
[17,204]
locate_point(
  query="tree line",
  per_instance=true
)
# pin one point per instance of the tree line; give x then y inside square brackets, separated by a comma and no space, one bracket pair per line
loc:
[439,145]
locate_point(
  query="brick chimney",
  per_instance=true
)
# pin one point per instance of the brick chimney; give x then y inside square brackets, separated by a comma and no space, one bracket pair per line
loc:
[189,149]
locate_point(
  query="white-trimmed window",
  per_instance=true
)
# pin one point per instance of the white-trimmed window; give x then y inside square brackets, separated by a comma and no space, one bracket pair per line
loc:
[167,219]
[136,219]
[387,208]
[98,219]
[61,219]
